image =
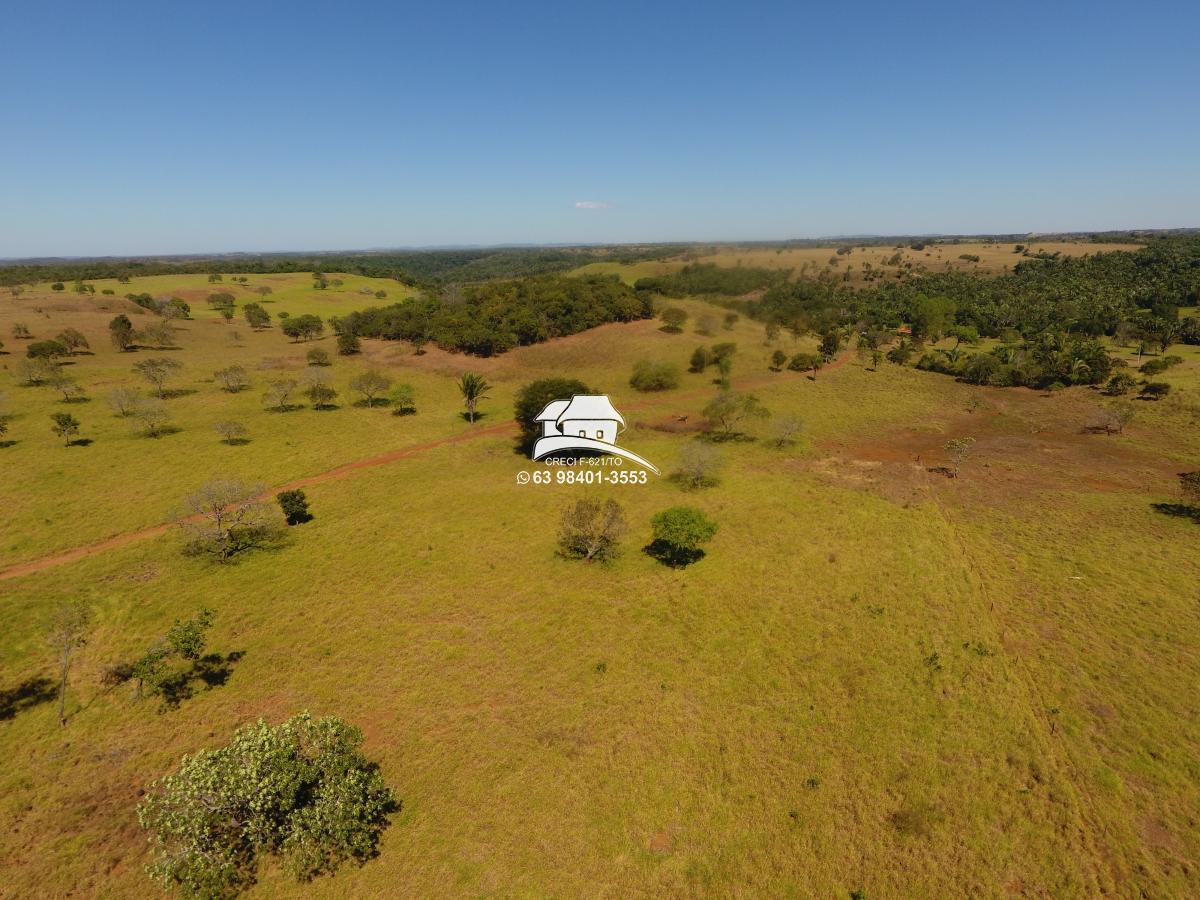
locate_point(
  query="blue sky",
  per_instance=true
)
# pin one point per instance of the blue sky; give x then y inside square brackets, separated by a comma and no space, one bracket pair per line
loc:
[167,127]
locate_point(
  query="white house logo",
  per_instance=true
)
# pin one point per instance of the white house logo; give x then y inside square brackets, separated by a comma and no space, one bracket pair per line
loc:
[588,424]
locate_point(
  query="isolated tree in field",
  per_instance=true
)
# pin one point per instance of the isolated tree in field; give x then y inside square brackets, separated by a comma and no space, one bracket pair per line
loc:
[778,360]
[263,290]
[35,372]
[214,278]
[304,327]
[294,506]
[256,316]
[222,300]
[316,387]
[72,391]
[348,343]
[278,393]
[673,318]
[318,357]
[678,533]
[158,371]
[729,410]
[532,399]
[73,340]
[785,432]
[184,641]
[224,518]
[1120,414]
[958,449]
[701,359]
[120,330]
[1189,484]
[58,286]
[590,529]
[699,466]
[232,379]
[122,400]
[66,426]
[301,791]
[231,432]
[806,361]
[151,414]
[48,350]
[876,359]
[371,384]
[654,376]
[731,319]
[473,389]
[404,402]
[21,332]
[68,633]
[160,335]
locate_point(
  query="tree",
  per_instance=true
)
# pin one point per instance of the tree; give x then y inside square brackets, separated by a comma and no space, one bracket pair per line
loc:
[232,379]
[678,533]
[404,401]
[66,426]
[68,633]
[301,790]
[160,334]
[1120,414]
[57,286]
[807,361]
[214,277]
[533,398]
[318,357]
[183,640]
[705,325]
[222,300]
[785,432]
[278,392]
[473,389]
[48,350]
[225,517]
[71,389]
[256,316]
[701,359]
[231,432]
[1189,484]
[371,384]
[21,332]
[120,330]
[728,410]
[654,376]
[831,342]
[348,343]
[158,370]
[731,319]
[295,507]
[263,290]
[317,388]
[958,449]
[304,327]
[673,318]
[589,529]
[73,340]
[1154,390]
[876,358]
[932,316]
[35,372]
[778,360]
[152,415]
[699,464]
[122,400]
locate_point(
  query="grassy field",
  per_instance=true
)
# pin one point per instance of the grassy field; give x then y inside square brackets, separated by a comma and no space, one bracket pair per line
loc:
[878,679]
[994,258]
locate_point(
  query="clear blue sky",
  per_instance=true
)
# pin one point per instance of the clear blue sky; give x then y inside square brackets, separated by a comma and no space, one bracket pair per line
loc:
[136,127]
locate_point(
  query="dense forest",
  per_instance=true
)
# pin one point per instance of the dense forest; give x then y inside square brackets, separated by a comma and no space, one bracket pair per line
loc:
[414,268]
[495,316]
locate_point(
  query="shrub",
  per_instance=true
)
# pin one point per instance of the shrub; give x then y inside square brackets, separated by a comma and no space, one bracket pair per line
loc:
[232,379]
[701,359]
[699,464]
[318,357]
[590,529]
[654,376]
[778,360]
[1155,390]
[678,534]
[1120,384]
[1160,365]
[46,350]
[231,432]
[348,343]
[301,790]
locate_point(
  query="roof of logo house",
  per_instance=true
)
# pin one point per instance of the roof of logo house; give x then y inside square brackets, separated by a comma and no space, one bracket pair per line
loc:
[585,422]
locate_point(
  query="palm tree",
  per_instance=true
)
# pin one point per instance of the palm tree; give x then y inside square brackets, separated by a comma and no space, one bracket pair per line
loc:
[474,388]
